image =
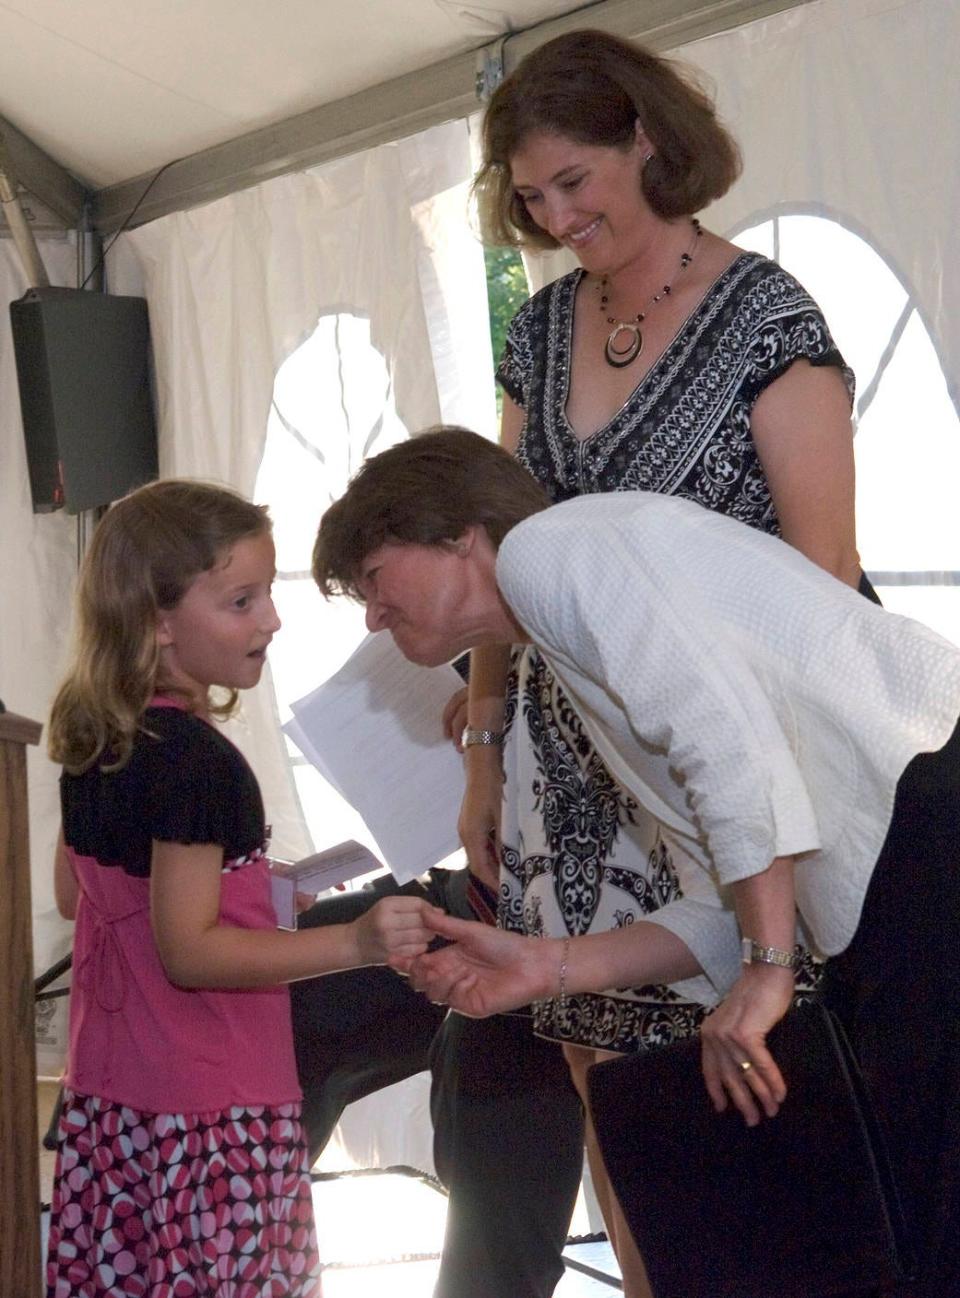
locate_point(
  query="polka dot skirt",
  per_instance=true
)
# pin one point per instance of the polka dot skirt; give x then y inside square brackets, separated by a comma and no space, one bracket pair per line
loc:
[173,1205]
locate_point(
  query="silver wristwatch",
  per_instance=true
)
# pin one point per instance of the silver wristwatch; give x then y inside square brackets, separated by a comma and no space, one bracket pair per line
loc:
[753,953]
[471,736]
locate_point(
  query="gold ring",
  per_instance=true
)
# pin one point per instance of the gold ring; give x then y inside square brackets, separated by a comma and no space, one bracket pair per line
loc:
[745,1066]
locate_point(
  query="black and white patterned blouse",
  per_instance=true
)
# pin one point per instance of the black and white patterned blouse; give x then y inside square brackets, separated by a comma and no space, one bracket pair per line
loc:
[685,430]
[579,855]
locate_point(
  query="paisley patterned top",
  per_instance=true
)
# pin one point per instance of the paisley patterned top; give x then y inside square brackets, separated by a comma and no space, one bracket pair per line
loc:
[579,855]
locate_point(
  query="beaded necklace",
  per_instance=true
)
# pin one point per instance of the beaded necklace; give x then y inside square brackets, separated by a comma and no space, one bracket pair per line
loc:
[619,356]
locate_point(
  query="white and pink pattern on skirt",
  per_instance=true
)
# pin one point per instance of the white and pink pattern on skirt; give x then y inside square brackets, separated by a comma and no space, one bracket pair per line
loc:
[174,1205]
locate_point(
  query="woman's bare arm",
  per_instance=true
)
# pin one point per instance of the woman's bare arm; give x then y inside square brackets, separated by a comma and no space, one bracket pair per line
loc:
[491,971]
[803,435]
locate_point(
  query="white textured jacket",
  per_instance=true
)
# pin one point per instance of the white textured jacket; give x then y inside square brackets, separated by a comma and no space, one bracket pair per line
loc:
[756,706]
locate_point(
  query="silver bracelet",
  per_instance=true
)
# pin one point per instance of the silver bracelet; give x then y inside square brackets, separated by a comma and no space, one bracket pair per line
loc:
[472,736]
[563,973]
[753,953]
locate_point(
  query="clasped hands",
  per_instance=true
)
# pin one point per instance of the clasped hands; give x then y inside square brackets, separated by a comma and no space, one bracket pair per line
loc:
[486,970]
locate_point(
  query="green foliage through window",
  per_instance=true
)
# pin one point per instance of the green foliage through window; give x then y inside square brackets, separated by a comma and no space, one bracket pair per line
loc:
[507,290]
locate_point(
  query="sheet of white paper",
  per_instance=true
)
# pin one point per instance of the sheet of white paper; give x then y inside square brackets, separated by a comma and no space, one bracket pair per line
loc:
[373,731]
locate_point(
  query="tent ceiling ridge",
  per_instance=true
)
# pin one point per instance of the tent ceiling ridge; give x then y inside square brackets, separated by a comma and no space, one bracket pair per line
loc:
[394,109]
[60,195]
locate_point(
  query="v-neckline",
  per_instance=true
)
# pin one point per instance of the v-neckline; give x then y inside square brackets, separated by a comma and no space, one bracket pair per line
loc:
[570,309]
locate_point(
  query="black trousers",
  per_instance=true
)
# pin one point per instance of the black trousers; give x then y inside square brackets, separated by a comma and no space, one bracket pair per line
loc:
[508,1125]
[897,990]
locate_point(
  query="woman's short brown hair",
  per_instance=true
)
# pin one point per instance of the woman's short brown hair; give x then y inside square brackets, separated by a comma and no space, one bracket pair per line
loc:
[594,88]
[425,491]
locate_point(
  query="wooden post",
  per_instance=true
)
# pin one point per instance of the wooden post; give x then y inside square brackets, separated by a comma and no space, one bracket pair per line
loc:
[19,1144]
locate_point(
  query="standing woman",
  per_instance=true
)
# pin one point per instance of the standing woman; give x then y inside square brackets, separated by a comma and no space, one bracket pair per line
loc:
[670,361]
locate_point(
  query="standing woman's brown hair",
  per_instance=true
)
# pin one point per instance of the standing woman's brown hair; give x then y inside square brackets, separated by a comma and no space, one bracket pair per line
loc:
[594,88]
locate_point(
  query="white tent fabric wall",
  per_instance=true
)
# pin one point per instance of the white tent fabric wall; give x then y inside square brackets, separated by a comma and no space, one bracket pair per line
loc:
[853,105]
[233,289]
[236,286]
[37,567]
[848,110]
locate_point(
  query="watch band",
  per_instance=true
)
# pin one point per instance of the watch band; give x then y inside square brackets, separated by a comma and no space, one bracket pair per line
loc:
[471,736]
[753,953]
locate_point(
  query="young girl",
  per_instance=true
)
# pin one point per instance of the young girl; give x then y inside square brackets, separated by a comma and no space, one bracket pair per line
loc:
[181,1168]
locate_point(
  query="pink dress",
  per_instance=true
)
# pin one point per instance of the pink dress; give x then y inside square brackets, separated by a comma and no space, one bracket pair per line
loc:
[182,1168]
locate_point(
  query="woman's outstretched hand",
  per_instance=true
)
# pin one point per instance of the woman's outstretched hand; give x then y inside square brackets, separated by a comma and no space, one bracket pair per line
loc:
[396,927]
[485,971]
[734,1036]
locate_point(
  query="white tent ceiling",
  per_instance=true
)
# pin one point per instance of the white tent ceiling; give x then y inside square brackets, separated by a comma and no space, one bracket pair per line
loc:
[112,90]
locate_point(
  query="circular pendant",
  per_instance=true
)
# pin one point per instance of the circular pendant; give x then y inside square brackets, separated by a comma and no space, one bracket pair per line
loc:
[618,356]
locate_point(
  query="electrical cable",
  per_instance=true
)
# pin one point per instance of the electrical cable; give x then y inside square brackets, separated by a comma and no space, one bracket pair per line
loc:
[128,218]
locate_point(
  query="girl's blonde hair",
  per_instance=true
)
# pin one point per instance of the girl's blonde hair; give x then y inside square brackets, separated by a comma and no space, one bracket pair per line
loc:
[145,553]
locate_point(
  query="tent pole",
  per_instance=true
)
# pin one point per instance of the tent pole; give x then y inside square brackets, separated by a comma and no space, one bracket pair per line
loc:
[23,239]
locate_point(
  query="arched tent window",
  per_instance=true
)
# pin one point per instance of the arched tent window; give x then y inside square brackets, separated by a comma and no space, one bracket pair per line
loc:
[332,407]
[907,429]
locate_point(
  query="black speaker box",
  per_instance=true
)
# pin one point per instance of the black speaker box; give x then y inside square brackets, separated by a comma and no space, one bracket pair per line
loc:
[82,367]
